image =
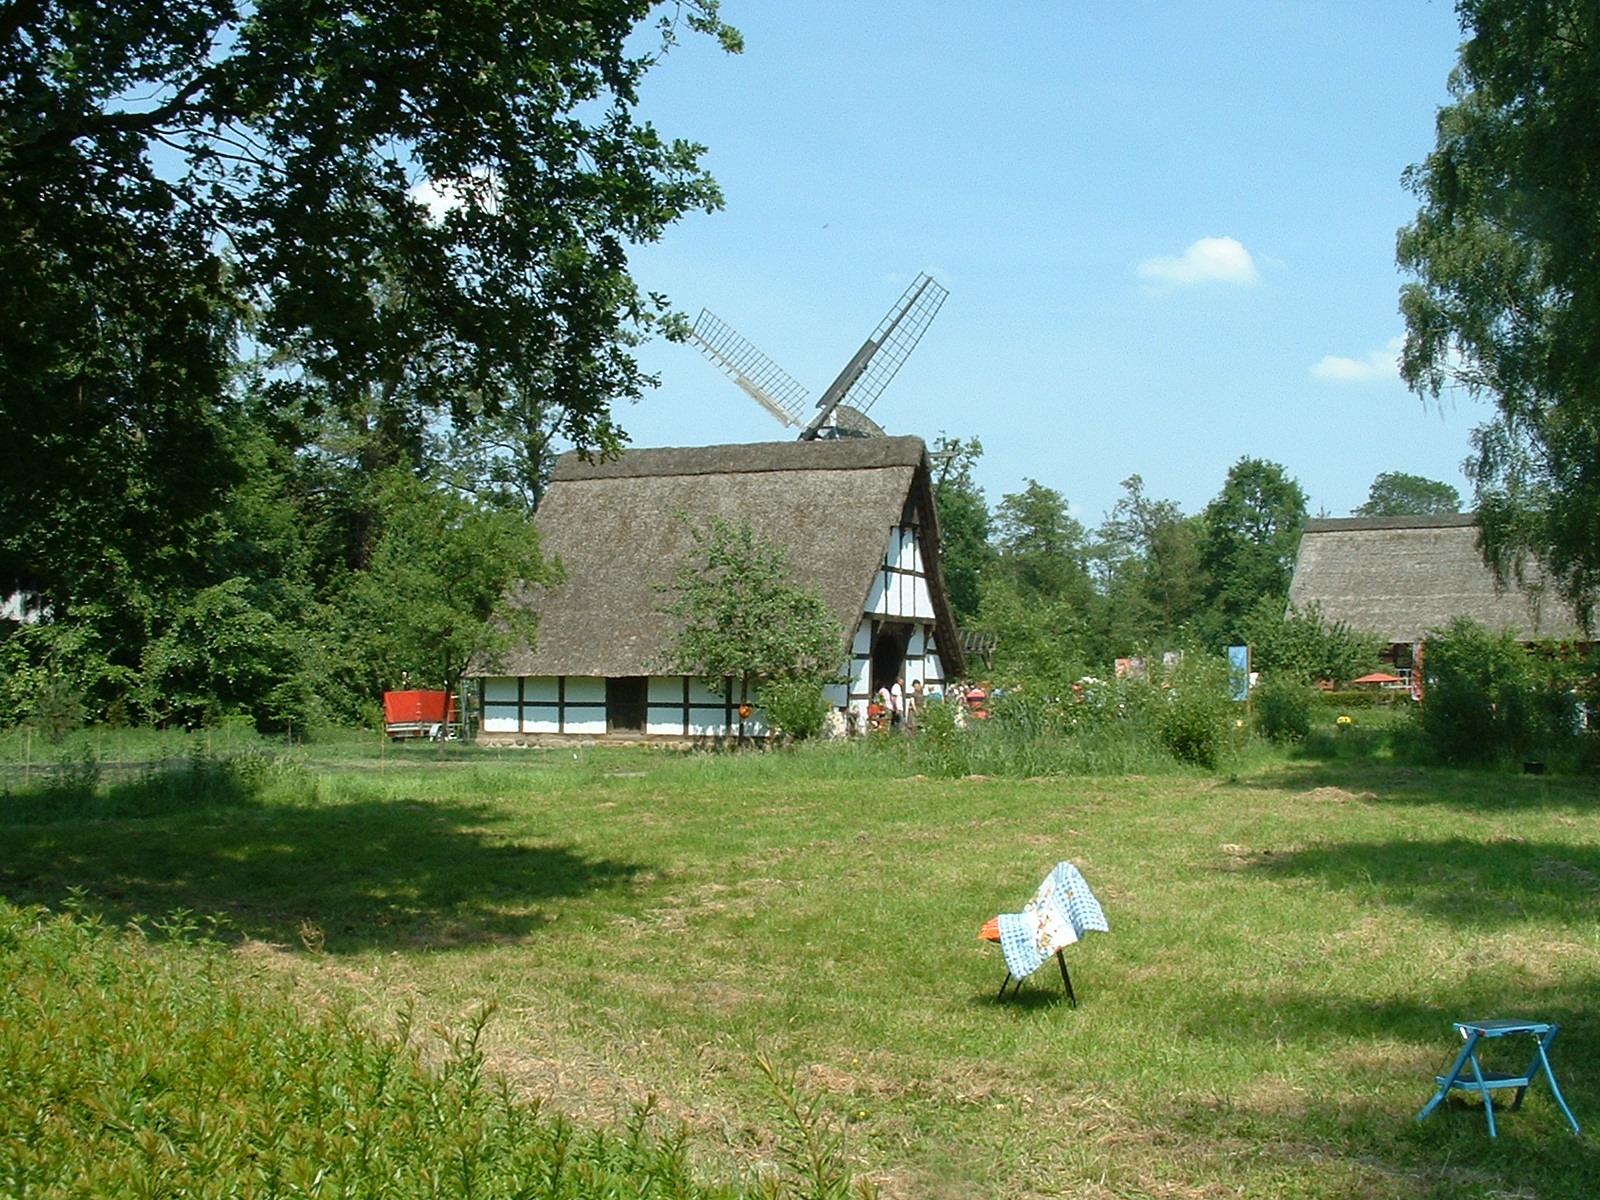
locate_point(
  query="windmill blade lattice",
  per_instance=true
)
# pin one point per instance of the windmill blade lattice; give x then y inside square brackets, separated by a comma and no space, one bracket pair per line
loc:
[769,384]
[875,364]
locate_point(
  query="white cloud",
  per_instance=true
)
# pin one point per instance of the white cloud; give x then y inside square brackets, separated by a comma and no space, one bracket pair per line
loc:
[1210,260]
[479,189]
[1378,365]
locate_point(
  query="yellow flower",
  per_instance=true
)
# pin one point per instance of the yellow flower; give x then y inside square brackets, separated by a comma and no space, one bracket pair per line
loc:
[1345,721]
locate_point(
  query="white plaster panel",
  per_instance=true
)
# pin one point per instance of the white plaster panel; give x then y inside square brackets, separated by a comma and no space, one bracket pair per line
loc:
[544,722]
[878,598]
[837,695]
[665,689]
[584,719]
[665,720]
[906,551]
[501,689]
[705,723]
[862,643]
[541,687]
[699,693]
[584,689]
[500,724]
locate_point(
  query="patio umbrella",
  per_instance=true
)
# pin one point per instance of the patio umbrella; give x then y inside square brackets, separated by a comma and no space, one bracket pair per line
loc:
[1377,677]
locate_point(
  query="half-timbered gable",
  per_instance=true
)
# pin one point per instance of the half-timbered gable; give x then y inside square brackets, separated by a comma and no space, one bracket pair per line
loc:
[854,517]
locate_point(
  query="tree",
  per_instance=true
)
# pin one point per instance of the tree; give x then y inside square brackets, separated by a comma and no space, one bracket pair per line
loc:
[739,619]
[438,593]
[1505,301]
[963,522]
[410,211]
[224,653]
[1397,494]
[1249,537]
[1305,646]
[1042,547]
[1146,556]
[1040,639]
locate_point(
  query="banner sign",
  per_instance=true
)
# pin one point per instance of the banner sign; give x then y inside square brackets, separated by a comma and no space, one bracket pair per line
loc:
[1238,672]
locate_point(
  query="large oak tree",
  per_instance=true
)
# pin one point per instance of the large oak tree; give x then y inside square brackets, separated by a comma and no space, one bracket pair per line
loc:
[406,211]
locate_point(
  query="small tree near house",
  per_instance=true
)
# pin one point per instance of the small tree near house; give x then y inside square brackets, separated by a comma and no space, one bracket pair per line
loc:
[742,624]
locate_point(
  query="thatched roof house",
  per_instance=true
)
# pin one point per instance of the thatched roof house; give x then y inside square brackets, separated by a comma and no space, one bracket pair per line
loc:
[1401,577]
[855,518]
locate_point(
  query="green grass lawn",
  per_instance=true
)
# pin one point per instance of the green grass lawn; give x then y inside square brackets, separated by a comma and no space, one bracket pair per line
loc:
[1288,948]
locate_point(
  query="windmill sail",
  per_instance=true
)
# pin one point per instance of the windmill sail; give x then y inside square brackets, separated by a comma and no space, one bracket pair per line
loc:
[842,411]
[880,356]
[772,387]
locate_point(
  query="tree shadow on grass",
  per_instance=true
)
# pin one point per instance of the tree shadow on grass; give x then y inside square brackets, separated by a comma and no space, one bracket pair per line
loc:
[359,876]
[1478,884]
[1483,791]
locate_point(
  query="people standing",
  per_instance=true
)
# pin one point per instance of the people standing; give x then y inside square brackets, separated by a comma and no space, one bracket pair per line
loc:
[913,705]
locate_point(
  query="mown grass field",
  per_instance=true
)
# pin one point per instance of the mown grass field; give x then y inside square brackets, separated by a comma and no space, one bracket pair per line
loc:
[1289,945]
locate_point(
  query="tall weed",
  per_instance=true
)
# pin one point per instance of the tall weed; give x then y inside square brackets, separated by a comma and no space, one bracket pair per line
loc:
[1102,730]
[1193,715]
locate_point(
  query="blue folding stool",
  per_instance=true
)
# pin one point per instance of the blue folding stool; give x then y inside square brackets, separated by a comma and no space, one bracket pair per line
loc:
[1467,1073]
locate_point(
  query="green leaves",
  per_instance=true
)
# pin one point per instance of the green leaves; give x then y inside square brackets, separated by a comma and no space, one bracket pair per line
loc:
[741,619]
[377,235]
[1304,646]
[1505,301]
[436,594]
[1250,535]
[1398,494]
[1488,697]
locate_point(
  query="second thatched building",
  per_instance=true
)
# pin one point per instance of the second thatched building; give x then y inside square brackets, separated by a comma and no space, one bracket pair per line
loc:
[1404,579]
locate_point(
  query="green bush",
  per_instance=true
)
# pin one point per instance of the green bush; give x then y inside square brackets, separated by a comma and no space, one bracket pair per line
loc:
[1359,701]
[1030,735]
[1306,645]
[1488,698]
[222,654]
[55,677]
[796,707]
[1283,709]
[1098,727]
[1193,715]
[940,752]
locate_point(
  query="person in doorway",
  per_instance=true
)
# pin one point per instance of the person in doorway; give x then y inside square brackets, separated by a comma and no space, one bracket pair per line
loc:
[879,715]
[913,705]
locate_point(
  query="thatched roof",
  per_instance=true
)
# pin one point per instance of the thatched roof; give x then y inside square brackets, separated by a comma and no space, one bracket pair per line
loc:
[828,504]
[1399,577]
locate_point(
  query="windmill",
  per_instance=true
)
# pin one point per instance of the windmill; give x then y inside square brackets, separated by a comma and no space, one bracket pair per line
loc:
[842,409]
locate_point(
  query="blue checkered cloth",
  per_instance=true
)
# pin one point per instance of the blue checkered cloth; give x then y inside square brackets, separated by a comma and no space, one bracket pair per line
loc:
[1061,912]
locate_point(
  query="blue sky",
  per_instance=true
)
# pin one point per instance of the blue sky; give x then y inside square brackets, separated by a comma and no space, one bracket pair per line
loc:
[1167,230]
